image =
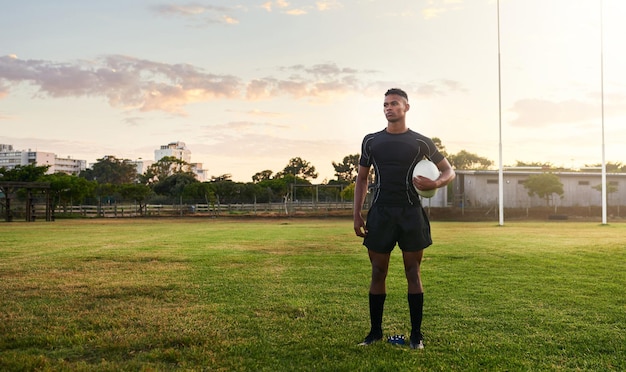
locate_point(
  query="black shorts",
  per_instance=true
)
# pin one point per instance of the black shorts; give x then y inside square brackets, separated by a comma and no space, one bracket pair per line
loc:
[408,226]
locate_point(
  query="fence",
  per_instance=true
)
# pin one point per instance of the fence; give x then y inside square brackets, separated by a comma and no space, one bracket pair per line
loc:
[133,210]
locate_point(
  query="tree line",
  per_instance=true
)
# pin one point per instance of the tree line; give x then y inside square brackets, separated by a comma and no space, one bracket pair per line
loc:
[171,180]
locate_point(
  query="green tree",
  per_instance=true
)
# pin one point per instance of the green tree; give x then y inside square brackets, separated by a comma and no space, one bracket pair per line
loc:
[348,192]
[69,189]
[610,189]
[106,193]
[262,176]
[534,164]
[174,184]
[299,167]
[226,191]
[200,191]
[544,186]
[250,192]
[275,189]
[611,167]
[222,177]
[20,173]
[110,169]
[23,173]
[138,193]
[163,168]
[468,160]
[346,171]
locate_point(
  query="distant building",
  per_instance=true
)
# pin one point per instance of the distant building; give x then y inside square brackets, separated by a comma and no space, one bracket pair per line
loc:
[142,165]
[201,174]
[179,151]
[10,158]
[69,165]
[479,188]
[174,149]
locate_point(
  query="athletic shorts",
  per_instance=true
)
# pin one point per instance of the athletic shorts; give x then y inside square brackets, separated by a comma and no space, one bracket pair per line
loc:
[408,226]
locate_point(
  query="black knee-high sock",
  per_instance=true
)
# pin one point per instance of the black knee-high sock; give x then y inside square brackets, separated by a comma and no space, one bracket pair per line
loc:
[416,308]
[377,305]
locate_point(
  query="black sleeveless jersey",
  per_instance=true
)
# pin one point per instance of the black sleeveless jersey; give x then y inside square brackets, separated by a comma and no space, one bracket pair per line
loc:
[393,157]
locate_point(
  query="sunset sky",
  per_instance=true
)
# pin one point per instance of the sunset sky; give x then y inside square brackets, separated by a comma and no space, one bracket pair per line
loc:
[248,84]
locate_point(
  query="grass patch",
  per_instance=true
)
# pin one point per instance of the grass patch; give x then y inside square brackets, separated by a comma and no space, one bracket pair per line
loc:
[278,294]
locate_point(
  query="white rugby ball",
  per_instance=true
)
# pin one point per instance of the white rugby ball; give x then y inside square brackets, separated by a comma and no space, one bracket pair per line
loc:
[428,169]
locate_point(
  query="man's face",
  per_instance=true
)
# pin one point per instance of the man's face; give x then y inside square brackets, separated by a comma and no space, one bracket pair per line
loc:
[395,107]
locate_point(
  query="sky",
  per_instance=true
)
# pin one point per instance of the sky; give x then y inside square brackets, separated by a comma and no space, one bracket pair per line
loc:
[248,85]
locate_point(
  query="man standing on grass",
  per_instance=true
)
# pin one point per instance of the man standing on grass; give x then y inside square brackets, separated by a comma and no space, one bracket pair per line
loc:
[396,214]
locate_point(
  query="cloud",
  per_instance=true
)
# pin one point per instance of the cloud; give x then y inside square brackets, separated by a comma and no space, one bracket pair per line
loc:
[281,3]
[208,14]
[202,14]
[435,88]
[133,121]
[267,6]
[430,13]
[285,7]
[266,88]
[324,5]
[416,90]
[230,20]
[142,85]
[324,69]
[534,113]
[244,128]
[317,81]
[126,82]
[4,90]
[436,8]
[295,12]
[185,10]
[258,113]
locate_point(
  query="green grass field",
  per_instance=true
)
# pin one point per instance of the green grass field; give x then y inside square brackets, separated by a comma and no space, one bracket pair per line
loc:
[291,295]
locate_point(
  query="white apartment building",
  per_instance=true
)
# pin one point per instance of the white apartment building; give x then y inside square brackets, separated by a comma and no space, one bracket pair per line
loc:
[201,174]
[10,158]
[179,151]
[142,165]
[175,149]
[68,165]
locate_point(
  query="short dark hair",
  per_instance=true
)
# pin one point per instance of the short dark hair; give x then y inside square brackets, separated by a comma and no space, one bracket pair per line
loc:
[397,91]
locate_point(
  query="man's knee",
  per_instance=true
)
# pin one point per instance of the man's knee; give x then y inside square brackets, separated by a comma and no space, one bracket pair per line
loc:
[412,272]
[379,273]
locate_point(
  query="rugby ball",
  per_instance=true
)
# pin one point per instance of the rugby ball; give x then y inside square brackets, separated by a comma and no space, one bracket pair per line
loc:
[428,169]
